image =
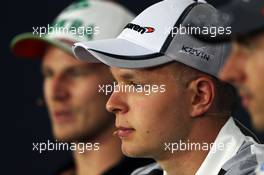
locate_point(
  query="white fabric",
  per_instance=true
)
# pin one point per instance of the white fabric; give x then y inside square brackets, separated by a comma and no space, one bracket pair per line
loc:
[230,135]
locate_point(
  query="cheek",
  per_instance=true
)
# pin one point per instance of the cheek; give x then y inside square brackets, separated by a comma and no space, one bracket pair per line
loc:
[83,93]
[255,68]
[87,97]
[157,114]
[47,91]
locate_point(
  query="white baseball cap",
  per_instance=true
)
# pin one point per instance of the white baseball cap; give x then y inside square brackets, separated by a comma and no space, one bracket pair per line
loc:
[149,41]
[85,20]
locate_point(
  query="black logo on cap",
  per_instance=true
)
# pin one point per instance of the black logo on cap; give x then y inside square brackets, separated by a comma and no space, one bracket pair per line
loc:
[139,29]
[199,52]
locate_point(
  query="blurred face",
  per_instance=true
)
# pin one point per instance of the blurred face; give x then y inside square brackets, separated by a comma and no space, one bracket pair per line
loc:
[244,69]
[146,122]
[77,110]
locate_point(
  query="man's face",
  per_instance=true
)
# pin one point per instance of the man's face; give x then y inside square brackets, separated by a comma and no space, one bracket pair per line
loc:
[77,110]
[244,69]
[146,122]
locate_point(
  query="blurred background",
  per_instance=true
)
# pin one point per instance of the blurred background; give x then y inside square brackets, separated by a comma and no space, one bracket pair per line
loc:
[24,120]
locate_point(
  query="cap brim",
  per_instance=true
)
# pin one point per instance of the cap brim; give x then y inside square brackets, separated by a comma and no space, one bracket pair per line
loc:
[119,53]
[244,22]
[28,45]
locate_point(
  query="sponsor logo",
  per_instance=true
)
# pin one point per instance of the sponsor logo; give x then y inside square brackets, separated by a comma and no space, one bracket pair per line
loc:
[199,52]
[139,29]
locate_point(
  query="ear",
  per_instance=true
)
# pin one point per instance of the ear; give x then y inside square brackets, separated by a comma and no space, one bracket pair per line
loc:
[202,96]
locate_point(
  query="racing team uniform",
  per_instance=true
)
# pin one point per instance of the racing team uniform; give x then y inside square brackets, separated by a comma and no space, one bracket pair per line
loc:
[242,156]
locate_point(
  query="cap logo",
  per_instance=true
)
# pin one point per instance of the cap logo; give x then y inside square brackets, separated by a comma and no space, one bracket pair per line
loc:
[81,4]
[139,29]
[199,52]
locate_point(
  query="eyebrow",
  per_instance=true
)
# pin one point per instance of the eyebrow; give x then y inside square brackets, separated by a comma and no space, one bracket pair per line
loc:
[127,76]
[88,67]
[124,76]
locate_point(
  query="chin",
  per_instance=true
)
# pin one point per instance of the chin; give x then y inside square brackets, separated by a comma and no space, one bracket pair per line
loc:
[258,121]
[64,136]
[134,151]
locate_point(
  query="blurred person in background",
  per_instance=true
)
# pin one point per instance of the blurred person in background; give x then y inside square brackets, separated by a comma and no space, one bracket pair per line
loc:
[76,108]
[244,66]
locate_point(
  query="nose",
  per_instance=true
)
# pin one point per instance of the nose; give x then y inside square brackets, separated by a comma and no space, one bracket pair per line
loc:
[234,68]
[117,103]
[59,88]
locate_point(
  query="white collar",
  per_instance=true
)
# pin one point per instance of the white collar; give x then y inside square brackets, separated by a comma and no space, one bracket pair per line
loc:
[231,136]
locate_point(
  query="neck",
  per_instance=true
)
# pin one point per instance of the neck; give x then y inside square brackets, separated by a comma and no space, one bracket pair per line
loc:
[95,162]
[187,162]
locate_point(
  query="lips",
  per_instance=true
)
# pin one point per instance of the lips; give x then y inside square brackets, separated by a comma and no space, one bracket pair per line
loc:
[62,116]
[245,101]
[246,96]
[123,132]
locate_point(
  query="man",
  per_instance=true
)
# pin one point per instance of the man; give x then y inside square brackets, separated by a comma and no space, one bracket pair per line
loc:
[245,64]
[77,111]
[194,108]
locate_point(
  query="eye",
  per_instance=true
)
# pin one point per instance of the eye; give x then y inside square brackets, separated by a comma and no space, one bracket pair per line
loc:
[79,72]
[136,85]
[47,74]
[246,43]
[133,83]
[75,73]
